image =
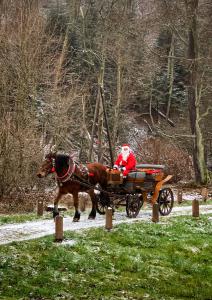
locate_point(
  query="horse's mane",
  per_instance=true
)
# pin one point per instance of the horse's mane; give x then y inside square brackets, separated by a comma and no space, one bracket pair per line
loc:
[61,160]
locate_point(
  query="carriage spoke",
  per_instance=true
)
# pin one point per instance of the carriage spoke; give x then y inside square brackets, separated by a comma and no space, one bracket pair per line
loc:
[165,201]
[103,201]
[133,205]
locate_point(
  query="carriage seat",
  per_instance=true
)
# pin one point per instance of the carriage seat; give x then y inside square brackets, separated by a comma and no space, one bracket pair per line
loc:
[149,166]
[136,175]
[146,172]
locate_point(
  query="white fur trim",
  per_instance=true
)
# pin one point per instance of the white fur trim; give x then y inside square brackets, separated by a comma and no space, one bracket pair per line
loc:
[125,154]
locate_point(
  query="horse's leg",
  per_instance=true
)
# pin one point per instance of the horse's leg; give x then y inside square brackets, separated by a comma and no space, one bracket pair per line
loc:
[55,209]
[92,214]
[76,205]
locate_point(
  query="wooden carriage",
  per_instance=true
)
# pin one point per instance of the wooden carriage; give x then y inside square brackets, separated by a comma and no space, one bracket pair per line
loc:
[141,185]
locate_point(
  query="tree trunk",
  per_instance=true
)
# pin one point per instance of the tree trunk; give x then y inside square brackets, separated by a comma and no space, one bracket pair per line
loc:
[96,112]
[101,115]
[170,76]
[201,172]
[118,103]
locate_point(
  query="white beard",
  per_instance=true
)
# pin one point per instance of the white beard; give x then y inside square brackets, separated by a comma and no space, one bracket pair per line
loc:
[125,154]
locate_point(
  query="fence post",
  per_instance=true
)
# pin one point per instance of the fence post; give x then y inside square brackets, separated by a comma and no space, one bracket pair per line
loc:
[108,220]
[179,196]
[155,213]
[58,228]
[40,208]
[195,208]
[204,193]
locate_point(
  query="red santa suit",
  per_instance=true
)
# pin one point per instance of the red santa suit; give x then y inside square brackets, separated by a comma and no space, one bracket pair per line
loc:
[126,160]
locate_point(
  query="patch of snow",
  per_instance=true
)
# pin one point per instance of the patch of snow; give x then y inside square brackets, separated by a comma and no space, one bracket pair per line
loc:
[188,196]
[67,243]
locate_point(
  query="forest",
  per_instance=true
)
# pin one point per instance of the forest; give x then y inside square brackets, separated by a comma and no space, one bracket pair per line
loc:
[151,58]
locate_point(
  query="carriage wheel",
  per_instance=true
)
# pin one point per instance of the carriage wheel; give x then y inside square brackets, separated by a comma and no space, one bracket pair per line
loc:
[133,205]
[165,201]
[103,201]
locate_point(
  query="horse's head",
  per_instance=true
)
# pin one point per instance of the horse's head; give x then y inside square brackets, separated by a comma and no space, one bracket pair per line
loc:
[48,166]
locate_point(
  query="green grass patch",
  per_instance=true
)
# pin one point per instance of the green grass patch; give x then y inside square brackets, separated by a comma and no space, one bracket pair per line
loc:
[170,260]
[20,218]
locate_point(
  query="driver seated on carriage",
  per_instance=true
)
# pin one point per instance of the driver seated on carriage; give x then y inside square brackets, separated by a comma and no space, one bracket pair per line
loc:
[125,161]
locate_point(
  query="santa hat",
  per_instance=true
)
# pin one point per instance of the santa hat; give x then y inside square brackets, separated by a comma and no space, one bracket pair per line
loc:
[125,146]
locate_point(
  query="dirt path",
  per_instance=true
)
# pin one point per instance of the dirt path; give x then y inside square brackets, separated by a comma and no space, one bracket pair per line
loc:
[36,229]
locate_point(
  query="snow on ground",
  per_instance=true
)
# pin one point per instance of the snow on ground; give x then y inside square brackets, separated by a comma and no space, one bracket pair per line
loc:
[36,229]
[189,196]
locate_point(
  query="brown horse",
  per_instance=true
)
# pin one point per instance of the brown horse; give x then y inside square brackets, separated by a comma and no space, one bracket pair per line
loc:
[73,178]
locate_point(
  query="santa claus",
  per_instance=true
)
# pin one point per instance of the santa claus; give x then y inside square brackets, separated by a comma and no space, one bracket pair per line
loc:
[126,160]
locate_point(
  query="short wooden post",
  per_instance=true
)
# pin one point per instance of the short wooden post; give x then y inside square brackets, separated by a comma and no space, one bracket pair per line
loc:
[40,208]
[204,193]
[179,196]
[155,213]
[58,228]
[108,219]
[195,208]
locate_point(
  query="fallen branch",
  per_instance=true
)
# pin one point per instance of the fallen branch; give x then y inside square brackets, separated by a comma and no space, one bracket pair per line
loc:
[164,116]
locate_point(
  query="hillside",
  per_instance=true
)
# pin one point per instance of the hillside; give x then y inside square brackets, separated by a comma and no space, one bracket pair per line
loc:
[153,61]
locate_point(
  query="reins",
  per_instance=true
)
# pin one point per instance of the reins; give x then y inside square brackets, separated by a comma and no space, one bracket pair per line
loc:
[89,185]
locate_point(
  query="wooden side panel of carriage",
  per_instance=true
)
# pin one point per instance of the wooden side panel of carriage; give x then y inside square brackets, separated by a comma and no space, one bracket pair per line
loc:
[114,177]
[157,182]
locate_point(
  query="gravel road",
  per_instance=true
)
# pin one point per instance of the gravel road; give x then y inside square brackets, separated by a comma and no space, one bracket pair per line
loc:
[36,229]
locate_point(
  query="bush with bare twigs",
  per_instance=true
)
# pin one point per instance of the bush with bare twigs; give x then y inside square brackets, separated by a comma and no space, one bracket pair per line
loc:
[161,151]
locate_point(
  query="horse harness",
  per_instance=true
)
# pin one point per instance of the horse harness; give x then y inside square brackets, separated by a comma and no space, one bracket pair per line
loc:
[72,176]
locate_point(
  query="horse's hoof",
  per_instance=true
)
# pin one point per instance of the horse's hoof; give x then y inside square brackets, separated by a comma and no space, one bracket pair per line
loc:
[91,218]
[75,220]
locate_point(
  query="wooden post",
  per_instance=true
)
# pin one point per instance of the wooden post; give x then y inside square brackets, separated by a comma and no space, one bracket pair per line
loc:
[155,213]
[108,220]
[58,228]
[179,196]
[204,193]
[40,208]
[195,208]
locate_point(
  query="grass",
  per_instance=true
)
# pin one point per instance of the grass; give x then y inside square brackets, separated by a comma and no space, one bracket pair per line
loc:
[169,260]
[20,218]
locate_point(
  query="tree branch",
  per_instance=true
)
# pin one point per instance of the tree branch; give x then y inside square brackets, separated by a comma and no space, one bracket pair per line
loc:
[206,112]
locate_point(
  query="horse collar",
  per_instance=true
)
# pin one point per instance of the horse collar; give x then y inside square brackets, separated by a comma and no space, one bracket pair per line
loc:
[68,174]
